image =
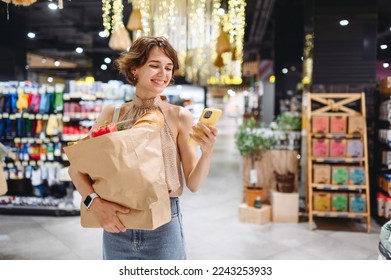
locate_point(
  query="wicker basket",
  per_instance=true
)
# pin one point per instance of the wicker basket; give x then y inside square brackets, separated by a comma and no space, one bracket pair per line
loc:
[285,182]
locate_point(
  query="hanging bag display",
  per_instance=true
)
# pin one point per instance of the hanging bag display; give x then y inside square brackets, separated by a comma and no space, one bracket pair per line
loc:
[3,181]
[127,168]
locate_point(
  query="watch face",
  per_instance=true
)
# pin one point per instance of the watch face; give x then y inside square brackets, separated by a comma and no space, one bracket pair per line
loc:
[87,201]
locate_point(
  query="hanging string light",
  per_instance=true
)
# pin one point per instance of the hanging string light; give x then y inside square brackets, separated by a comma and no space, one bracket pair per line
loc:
[106,15]
[113,24]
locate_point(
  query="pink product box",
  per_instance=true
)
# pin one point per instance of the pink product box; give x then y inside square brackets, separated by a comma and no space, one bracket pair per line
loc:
[337,148]
[320,124]
[338,124]
[320,147]
[354,148]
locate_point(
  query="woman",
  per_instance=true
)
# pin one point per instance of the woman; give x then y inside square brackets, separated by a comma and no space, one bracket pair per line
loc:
[149,65]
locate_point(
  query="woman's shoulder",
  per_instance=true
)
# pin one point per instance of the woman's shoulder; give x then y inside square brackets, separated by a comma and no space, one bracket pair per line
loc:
[176,110]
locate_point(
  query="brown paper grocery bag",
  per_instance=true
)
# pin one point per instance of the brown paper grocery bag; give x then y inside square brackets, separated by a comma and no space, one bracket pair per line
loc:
[3,181]
[127,168]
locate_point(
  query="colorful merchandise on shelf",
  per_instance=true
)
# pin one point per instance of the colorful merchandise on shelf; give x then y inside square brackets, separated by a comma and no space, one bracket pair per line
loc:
[320,147]
[338,124]
[339,175]
[337,147]
[356,176]
[354,148]
[339,202]
[356,124]
[320,124]
[322,201]
[322,174]
[357,203]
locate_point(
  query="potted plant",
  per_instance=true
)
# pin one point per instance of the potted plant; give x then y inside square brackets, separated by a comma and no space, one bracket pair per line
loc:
[286,123]
[253,140]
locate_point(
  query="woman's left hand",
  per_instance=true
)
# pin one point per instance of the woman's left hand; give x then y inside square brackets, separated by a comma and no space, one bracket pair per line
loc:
[206,137]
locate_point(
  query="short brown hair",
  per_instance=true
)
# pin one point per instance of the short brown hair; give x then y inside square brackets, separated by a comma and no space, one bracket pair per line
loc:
[138,55]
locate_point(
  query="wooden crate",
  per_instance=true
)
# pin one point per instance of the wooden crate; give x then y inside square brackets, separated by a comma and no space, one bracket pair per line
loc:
[254,215]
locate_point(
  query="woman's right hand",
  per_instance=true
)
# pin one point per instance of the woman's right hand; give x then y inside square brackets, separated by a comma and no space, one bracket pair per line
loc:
[106,213]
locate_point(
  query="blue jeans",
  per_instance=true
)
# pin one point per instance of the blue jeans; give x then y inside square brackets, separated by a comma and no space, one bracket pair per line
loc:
[163,243]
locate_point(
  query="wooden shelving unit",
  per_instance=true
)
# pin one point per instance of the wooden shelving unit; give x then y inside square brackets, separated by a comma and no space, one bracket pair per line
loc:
[336,105]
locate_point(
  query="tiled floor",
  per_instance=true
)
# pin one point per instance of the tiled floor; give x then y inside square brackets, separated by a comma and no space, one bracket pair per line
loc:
[212,226]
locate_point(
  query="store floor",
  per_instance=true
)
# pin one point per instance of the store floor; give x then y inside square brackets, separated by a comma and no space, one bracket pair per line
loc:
[211,223]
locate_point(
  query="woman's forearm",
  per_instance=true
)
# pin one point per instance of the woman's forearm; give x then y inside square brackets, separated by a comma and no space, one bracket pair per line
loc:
[199,173]
[81,181]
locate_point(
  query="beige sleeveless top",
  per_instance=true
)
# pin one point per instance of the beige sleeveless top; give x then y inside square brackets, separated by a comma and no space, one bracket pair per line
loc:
[171,157]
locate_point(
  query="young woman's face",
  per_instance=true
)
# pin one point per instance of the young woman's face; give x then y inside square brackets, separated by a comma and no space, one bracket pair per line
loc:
[155,75]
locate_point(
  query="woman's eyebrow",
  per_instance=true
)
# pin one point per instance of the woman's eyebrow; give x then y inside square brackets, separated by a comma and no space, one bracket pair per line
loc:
[157,61]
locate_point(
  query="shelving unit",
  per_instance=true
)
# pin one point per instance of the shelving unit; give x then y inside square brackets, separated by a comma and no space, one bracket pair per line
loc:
[382,191]
[330,190]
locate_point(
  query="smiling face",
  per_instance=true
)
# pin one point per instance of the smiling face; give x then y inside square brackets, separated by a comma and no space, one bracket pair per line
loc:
[155,75]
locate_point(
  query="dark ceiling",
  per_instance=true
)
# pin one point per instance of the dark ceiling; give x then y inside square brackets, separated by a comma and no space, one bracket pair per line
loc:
[59,32]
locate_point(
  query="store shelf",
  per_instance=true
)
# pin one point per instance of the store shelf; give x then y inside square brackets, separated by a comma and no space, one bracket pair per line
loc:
[331,113]
[332,214]
[338,187]
[38,210]
[336,135]
[338,159]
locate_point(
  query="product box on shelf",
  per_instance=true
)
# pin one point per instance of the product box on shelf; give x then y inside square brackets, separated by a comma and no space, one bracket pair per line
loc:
[356,124]
[322,201]
[320,147]
[285,207]
[387,208]
[357,203]
[322,174]
[320,124]
[385,85]
[337,147]
[339,175]
[381,204]
[339,202]
[386,157]
[338,124]
[255,215]
[354,148]
[356,176]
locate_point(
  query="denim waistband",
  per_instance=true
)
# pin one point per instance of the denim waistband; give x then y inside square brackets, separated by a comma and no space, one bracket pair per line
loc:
[175,209]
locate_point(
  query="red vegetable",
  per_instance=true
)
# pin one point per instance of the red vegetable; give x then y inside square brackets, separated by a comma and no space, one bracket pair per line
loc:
[103,129]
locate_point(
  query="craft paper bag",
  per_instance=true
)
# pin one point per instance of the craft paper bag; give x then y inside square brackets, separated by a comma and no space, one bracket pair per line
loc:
[127,168]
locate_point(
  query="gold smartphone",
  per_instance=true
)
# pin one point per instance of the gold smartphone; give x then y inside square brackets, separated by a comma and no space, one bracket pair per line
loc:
[209,116]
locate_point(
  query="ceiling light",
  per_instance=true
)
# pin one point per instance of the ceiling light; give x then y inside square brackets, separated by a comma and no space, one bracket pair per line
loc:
[386,65]
[103,34]
[103,67]
[57,63]
[52,6]
[31,35]
[107,60]
[43,60]
[220,12]
[50,79]
[344,22]
[383,46]
[284,70]
[79,50]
